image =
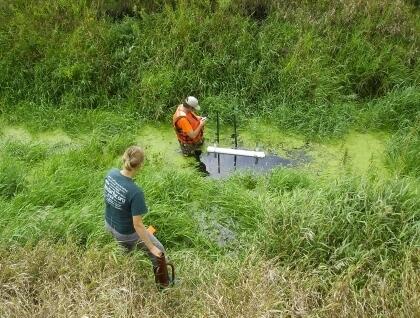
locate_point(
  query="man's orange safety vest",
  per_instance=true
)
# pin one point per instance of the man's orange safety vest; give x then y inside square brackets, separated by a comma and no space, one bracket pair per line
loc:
[194,122]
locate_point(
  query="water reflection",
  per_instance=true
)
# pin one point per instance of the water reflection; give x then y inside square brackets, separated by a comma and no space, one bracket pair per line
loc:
[222,165]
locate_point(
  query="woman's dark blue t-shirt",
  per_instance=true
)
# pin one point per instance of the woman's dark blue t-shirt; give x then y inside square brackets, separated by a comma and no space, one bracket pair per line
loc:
[123,200]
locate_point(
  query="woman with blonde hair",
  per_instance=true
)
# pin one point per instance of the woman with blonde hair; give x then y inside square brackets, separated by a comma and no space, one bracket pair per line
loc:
[125,206]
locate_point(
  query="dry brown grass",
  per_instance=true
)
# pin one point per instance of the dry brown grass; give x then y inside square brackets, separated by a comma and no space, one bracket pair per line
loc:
[66,281]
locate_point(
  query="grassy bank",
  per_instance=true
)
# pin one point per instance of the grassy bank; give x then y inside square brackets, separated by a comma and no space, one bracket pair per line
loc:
[65,280]
[289,243]
[314,67]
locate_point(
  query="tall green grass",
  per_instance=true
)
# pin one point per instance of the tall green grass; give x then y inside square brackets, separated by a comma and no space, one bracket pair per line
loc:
[347,241]
[312,66]
[403,152]
[62,195]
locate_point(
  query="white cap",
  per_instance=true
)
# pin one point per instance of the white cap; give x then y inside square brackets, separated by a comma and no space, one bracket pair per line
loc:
[193,102]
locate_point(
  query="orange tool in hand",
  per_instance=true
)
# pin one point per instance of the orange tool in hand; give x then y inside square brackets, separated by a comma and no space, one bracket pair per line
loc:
[151,229]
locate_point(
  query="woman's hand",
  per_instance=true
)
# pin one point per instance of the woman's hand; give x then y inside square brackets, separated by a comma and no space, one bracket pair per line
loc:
[156,252]
[145,236]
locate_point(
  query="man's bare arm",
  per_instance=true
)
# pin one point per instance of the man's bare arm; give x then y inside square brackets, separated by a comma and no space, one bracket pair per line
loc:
[194,133]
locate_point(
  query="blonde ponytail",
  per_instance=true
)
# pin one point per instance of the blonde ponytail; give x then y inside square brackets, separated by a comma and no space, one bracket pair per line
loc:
[133,157]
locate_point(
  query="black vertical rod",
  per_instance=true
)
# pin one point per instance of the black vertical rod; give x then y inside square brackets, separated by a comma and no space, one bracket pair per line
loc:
[256,149]
[218,140]
[234,131]
[217,129]
[236,138]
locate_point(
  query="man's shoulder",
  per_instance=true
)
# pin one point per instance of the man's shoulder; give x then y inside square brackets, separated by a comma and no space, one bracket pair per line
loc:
[179,112]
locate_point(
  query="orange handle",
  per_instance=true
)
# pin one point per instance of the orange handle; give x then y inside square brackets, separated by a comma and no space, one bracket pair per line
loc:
[151,230]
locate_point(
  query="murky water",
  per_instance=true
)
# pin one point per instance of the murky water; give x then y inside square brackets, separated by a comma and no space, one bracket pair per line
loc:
[222,165]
